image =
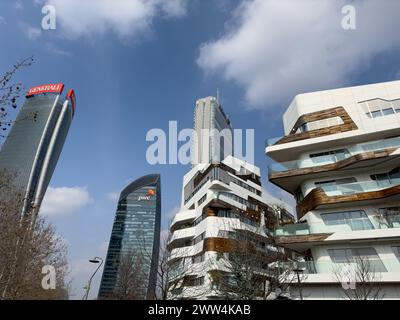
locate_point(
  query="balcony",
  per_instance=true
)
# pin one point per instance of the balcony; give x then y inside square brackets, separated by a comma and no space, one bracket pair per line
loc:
[303,236]
[183,234]
[379,145]
[359,187]
[270,142]
[181,219]
[299,229]
[363,192]
[286,174]
[330,267]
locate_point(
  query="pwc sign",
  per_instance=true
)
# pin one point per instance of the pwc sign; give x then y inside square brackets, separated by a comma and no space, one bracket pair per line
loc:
[46,88]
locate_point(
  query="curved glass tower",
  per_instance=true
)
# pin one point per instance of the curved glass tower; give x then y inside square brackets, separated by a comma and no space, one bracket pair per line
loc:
[136,229]
[35,141]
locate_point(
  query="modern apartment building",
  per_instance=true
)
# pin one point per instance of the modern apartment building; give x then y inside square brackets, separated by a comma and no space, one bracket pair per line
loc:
[213,131]
[223,206]
[339,158]
[36,139]
[135,235]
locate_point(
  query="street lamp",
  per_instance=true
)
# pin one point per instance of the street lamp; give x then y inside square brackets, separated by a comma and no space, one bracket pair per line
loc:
[298,271]
[94,260]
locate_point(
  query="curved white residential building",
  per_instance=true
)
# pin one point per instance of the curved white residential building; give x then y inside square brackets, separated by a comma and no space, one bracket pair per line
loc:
[221,203]
[340,160]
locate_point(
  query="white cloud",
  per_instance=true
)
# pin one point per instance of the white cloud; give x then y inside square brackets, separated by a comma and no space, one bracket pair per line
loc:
[174,8]
[64,200]
[126,18]
[113,196]
[53,49]
[19,4]
[276,49]
[2,20]
[32,32]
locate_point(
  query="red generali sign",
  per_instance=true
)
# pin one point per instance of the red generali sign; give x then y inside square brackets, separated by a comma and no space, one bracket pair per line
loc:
[46,88]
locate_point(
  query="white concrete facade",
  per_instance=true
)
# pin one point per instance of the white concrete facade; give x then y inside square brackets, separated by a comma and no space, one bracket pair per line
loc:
[216,199]
[356,211]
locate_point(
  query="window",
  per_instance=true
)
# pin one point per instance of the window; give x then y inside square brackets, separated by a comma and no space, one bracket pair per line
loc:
[384,179]
[352,254]
[387,111]
[376,114]
[334,155]
[357,220]
[198,239]
[198,259]
[325,183]
[378,107]
[391,215]
[194,282]
[343,186]
[236,198]
[320,124]
[298,194]
[202,199]
[397,251]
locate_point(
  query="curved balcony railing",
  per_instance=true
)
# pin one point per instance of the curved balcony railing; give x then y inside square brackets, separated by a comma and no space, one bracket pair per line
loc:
[330,159]
[272,141]
[298,229]
[359,187]
[317,267]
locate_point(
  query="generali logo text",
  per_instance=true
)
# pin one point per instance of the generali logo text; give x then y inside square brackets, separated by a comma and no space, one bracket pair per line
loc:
[57,88]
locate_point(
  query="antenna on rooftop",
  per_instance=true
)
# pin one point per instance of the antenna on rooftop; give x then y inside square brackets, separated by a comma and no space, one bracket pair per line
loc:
[218,96]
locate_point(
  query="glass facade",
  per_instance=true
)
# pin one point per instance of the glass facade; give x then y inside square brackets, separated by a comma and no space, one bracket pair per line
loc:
[213,130]
[136,229]
[354,255]
[357,220]
[34,144]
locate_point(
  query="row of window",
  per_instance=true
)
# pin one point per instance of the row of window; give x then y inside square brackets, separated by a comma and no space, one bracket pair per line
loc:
[234,215]
[383,112]
[358,219]
[382,179]
[221,214]
[367,254]
[195,191]
[244,238]
[320,124]
[202,199]
[334,155]
[236,198]
[221,175]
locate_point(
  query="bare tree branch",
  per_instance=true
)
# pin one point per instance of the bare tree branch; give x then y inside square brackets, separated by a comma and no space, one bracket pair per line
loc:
[10,92]
[25,248]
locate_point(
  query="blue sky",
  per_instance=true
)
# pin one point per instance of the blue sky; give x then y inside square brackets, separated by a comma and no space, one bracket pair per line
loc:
[140,64]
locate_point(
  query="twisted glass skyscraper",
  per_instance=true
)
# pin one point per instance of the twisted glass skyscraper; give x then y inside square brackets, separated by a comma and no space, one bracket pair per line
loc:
[136,229]
[35,141]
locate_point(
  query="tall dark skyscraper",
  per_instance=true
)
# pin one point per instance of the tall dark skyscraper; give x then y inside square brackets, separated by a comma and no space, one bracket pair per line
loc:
[34,144]
[136,229]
